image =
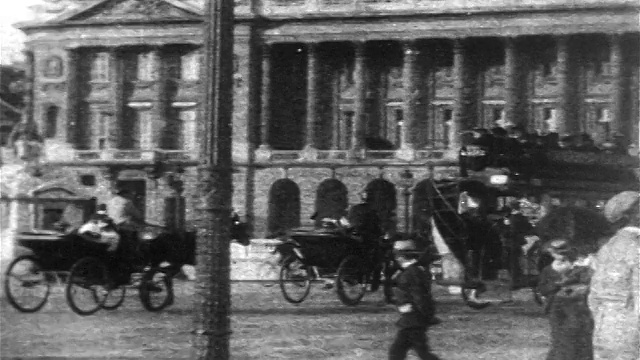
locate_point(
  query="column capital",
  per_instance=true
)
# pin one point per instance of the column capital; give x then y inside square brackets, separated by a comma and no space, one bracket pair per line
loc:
[266,50]
[359,47]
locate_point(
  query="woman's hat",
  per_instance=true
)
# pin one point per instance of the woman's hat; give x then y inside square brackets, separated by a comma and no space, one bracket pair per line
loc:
[561,247]
[621,204]
[101,209]
[404,246]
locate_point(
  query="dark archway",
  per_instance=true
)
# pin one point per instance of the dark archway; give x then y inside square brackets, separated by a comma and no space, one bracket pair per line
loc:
[382,196]
[331,200]
[51,122]
[284,207]
[421,207]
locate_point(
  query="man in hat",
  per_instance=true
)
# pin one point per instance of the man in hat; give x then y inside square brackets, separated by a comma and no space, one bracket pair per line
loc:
[415,304]
[517,229]
[615,293]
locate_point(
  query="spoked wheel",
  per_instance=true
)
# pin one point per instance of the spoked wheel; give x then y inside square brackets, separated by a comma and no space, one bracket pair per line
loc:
[471,296]
[88,286]
[156,290]
[114,298]
[351,282]
[295,280]
[26,285]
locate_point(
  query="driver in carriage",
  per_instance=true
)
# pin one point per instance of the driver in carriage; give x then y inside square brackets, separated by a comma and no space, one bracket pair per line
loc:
[100,228]
[364,221]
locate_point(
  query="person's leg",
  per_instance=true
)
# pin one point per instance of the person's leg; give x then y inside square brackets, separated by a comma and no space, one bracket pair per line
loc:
[400,345]
[418,338]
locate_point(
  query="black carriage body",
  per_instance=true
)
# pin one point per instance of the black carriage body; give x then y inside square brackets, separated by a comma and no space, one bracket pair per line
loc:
[60,252]
[326,249]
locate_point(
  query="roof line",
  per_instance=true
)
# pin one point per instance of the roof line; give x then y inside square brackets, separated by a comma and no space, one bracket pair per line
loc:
[68,16]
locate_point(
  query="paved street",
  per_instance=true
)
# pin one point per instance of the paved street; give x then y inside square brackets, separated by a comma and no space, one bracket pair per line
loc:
[267,327]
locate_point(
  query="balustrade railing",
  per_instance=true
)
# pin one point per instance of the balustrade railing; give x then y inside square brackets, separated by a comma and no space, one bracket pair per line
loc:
[368,7]
[125,156]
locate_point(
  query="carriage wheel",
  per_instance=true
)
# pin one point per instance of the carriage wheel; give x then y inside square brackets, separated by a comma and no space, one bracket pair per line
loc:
[351,282]
[88,286]
[114,298]
[156,290]
[295,280]
[26,285]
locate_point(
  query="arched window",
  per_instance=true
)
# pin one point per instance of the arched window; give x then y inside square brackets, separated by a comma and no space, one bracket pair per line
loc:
[51,122]
[331,200]
[382,196]
[284,206]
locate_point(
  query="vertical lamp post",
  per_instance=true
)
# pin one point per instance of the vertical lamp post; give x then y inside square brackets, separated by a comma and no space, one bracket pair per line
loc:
[212,327]
[406,182]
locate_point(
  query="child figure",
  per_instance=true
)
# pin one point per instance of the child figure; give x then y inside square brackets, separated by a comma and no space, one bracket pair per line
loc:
[566,285]
[414,301]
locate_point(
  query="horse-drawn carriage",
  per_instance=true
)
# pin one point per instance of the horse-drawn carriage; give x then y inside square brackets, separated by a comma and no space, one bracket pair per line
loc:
[354,260]
[96,278]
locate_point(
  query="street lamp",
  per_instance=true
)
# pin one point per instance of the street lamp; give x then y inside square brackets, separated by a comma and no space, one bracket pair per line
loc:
[406,182]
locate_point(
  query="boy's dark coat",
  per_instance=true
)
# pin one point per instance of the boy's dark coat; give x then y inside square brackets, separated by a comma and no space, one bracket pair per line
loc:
[414,287]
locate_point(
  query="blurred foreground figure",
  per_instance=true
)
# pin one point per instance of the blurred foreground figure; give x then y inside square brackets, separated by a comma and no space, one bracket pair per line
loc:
[615,292]
[415,304]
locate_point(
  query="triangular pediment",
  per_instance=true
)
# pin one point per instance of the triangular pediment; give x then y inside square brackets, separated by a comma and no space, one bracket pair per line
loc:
[122,11]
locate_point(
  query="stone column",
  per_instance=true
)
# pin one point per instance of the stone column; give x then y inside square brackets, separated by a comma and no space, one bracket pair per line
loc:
[515,84]
[264,151]
[360,84]
[335,110]
[158,111]
[310,148]
[73,98]
[568,123]
[619,84]
[29,76]
[464,103]
[411,96]
[117,123]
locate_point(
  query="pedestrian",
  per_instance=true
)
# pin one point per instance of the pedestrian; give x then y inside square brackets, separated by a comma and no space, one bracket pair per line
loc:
[414,302]
[615,292]
[518,228]
[565,283]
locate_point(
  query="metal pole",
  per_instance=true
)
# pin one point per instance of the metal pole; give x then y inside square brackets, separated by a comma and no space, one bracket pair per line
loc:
[407,195]
[212,327]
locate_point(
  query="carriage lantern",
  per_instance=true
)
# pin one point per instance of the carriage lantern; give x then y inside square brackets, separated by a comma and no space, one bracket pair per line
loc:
[406,182]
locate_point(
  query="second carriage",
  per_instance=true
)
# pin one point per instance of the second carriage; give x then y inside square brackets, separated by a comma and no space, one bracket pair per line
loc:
[333,251]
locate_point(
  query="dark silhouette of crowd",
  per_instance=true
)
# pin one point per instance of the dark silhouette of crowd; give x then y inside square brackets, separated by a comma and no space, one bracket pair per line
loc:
[517,149]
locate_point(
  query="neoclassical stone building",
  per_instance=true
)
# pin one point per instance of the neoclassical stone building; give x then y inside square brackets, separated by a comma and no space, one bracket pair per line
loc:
[317,83]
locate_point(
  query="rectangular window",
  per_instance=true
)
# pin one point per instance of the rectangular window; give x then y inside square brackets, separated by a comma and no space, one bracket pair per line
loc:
[187,130]
[101,125]
[100,67]
[146,67]
[145,136]
[102,131]
[190,66]
[131,137]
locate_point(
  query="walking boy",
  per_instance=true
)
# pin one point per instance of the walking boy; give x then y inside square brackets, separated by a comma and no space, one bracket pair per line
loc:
[414,301]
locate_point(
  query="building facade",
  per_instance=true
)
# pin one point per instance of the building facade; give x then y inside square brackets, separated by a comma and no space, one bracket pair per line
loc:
[330,96]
